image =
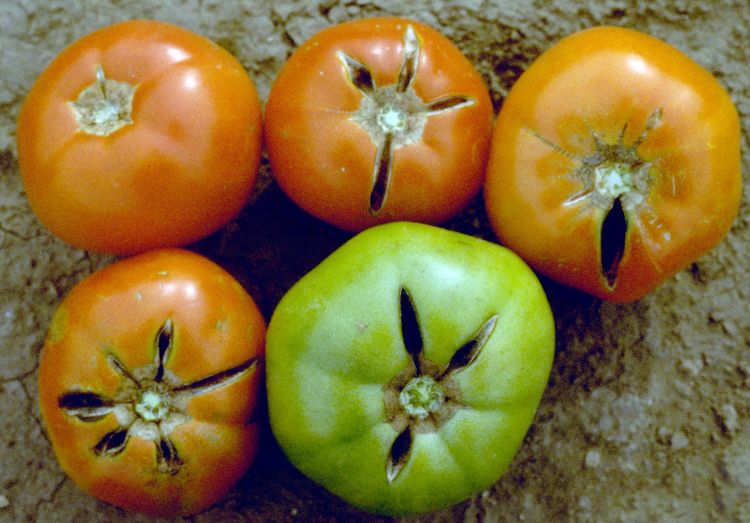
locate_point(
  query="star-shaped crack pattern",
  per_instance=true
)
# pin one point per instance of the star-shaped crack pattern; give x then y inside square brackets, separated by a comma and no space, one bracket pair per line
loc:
[394,115]
[150,402]
[425,395]
[613,177]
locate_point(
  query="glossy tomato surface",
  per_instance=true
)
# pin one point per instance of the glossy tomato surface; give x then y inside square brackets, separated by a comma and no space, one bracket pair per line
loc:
[615,163]
[137,136]
[148,381]
[378,120]
[405,370]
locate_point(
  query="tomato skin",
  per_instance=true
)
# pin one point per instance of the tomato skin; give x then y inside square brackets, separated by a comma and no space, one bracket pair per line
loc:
[676,117]
[324,160]
[184,167]
[341,356]
[116,314]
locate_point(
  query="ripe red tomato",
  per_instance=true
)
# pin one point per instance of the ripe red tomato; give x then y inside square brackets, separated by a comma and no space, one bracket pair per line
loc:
[615,163]
[379,120]
[138,136]
[148,379]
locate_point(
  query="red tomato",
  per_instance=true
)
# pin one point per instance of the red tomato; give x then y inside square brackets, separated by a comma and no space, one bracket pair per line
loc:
[137,136]
[379,120]
[615,163]
[148,379]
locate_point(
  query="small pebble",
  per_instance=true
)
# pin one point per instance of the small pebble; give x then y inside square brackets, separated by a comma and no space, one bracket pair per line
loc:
[728,415]
[593,459]
[4,501]
[605,424]
[692,367]
[744,370]
[679,441]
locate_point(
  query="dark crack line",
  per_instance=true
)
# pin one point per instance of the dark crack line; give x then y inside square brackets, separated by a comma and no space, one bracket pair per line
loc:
[22,376]
[11,379]
[48,500]
[31,413]
[15,234]
[280,26]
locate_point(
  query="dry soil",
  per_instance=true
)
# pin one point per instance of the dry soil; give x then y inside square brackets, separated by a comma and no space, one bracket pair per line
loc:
[647,413]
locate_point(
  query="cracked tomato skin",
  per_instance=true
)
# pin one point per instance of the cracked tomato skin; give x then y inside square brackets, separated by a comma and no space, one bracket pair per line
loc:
[182,327]
[668,127]
[182,168]
[325,157]
[411,311]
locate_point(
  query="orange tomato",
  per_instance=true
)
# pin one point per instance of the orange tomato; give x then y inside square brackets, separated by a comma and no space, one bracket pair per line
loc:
[138,136]
[378,120]
[615,163]
[148,380]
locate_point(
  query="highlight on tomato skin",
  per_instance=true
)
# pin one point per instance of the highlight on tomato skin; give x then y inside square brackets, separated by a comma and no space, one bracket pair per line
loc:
[148,382]
[379,120]
[615,163]
[140,135]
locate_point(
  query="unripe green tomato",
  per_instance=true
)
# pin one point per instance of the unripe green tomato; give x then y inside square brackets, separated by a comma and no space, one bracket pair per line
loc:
[404,371]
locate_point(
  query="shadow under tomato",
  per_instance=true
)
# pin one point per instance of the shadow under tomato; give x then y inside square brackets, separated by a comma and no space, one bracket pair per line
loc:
[271,245]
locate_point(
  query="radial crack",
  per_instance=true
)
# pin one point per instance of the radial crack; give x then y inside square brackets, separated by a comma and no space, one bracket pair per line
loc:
[398,456]
[220,379]
[382,175]
[163,345]
[612,239]
[122,370]
[553,145]
[468,353]
[447,103]
[621,136]
[113,443]
[167,457]
[358,74]
[86,406]
[577,197]
[653,121]
[409,65]
[410,331]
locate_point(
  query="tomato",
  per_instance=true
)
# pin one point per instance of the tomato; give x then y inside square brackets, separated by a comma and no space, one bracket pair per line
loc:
[405,369]
[379,120]
[148,381]
[615,163]
[138,136]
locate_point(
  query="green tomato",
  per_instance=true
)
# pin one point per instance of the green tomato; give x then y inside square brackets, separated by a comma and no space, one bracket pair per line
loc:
[404,371]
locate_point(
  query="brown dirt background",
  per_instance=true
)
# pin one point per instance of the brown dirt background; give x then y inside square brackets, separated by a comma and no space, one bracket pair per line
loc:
[647,414]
